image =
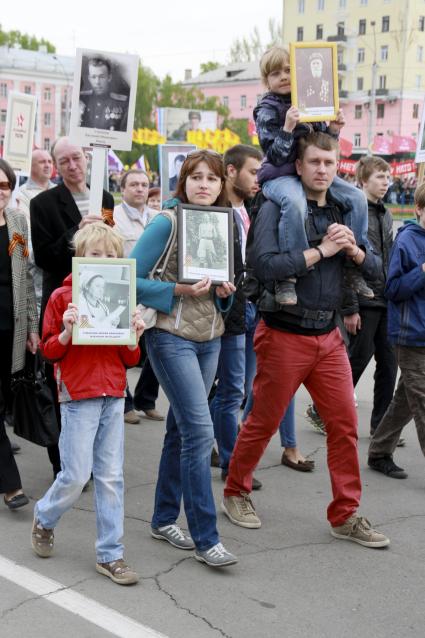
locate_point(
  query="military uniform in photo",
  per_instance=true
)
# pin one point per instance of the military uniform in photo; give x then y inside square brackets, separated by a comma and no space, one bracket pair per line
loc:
[107,111]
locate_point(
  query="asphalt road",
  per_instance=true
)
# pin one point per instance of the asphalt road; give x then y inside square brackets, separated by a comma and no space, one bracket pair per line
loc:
[293,578]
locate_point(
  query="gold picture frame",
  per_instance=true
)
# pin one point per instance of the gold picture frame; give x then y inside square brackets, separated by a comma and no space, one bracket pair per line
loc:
[314,80]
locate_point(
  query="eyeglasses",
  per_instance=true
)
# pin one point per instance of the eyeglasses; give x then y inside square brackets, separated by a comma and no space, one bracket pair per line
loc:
[5,186]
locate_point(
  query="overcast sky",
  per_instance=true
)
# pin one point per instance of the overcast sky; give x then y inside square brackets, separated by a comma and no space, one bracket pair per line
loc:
[169,35]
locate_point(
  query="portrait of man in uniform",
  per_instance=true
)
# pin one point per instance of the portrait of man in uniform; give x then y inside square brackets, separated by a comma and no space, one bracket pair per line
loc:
[104,96]
[315,83]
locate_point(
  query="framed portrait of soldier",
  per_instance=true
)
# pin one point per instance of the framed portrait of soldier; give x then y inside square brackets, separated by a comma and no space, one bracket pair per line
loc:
[205,243]
[314,80]
[420,146]
[104,99]
[171,158]
[104,291]
[175,123]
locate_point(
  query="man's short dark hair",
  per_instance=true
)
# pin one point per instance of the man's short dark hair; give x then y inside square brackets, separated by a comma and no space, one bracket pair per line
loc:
[98,60]
[194,115]
[321,140]
[238,154]
[132,171]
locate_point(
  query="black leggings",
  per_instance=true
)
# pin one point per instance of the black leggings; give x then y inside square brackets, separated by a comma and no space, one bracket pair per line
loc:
[9,474]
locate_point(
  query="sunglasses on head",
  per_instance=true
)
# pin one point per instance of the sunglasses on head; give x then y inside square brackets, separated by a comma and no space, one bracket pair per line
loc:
[5,186]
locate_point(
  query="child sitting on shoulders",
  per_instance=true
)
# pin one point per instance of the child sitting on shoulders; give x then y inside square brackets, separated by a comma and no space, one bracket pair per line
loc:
[279,129]
[91,386]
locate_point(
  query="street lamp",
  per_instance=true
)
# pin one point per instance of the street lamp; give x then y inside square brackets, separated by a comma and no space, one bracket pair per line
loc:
[372,109]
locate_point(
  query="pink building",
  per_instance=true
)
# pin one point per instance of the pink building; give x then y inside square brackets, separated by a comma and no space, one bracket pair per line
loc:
[47,76]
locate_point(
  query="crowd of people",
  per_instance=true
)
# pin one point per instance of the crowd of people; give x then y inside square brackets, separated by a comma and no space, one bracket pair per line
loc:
[319,289]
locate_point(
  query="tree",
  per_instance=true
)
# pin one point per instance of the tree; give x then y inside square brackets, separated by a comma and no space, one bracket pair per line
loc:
[24,41]
[209,66]
[147,89]
[175,94]
[248,49]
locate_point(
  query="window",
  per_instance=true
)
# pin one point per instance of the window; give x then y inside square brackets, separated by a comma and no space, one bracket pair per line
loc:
[384,53]
[3,89]
[243,101]
[47,94]
[319,31]
[362,27]
[300,34]
[360,84]
[357,140]
[225,100]
[47,119]
[27,89]
[340,56]
[418,81]
[320,5]
[380,111]
[415,112]
[340,27]
[382,81]
[419,54]
[363,2]
[46,144]
[385,24]
[3,116]
[421,23]
[301,6]
[342,4]
[360,55]
[358,112]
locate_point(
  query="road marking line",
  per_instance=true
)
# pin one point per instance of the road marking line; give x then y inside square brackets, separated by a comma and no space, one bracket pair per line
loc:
[87,608]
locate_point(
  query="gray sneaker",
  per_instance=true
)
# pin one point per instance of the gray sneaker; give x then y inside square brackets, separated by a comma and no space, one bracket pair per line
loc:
[359,530]
[42,540]
[241,511]
[216,556]
[174,535]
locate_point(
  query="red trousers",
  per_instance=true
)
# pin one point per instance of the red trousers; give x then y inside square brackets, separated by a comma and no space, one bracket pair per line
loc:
[284,362]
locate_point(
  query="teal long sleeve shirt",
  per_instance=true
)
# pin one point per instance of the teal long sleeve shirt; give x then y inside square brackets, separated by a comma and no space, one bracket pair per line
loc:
[154,293]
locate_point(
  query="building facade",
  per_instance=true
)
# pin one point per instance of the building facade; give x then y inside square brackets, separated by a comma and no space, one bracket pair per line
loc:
[47,76]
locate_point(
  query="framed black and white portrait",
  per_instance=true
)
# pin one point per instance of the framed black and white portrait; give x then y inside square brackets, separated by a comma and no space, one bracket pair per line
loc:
[103,99]
[314,80]
[205,243]
[171,158]
[104,291]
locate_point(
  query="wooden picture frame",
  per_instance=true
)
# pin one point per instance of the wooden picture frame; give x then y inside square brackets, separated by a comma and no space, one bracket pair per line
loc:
[205,243]
[314,80]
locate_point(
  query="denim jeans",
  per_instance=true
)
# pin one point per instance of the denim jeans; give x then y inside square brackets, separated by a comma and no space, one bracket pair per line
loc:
[227,401]
[186,369]
[288,193]
[91,439]
[287,424]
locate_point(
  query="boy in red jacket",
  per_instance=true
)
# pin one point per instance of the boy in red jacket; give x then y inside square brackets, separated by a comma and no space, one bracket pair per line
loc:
[91,386]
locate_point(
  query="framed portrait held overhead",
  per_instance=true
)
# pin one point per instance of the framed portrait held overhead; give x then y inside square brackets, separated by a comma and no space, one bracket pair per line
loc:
[104,291]
[205,243]
[171,158]
[314,80]
[103,99]
[420,146]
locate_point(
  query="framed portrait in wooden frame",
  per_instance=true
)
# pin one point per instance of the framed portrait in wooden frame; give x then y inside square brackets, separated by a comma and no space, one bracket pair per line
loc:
[314,80]
[104,290]
[205,243]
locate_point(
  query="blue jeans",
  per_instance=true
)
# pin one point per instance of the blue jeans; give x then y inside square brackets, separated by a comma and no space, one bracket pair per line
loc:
[287,424]
[186,369]
[229,395]
[91,439]
[288,193]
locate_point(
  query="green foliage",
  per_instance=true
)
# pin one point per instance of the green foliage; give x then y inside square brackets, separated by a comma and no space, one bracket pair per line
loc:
[24,41]
[147,90]
[240,127]
[209,66]
[175,94]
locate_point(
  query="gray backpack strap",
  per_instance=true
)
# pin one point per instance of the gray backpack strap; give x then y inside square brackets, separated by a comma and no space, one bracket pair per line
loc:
[156,270]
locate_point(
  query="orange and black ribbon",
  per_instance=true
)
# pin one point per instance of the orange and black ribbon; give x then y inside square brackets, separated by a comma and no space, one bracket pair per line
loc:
[18,239]
[108,216]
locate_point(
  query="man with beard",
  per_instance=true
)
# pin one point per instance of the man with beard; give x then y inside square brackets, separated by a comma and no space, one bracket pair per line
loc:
[241,163]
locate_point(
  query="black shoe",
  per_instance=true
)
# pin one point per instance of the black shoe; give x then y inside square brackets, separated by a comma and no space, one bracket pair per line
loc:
[15,447]
[387,466]
[215,461]
[256,484]
[284,292]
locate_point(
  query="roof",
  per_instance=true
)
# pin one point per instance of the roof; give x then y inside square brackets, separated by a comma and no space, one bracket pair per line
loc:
[36,61]
[235,72]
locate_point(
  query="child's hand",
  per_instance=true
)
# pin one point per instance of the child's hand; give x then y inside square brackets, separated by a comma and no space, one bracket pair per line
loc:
[291,120]
[70,316]
[337,124]
[137,323]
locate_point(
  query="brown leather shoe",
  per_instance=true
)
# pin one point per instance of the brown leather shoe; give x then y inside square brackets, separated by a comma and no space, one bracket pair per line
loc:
[301,466]
[131,417]
[153,414]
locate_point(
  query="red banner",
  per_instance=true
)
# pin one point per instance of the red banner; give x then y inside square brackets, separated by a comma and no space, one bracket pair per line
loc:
[402,168]
[347,166]
[382,145]
[251,128]
[403,144]
[345,147]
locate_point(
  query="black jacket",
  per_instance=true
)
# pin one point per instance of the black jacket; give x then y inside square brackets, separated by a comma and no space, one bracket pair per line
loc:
[380,234]
[319,288]
[235,319]
[54,222]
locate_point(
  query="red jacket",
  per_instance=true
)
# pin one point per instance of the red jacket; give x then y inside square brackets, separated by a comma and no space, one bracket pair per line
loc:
[82,372]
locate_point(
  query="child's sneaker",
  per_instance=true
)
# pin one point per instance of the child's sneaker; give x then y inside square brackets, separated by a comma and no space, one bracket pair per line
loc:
[355,280]
[118,571]
[284,292]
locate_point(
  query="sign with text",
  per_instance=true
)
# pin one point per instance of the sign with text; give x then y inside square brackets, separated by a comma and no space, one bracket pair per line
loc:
[19,132]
